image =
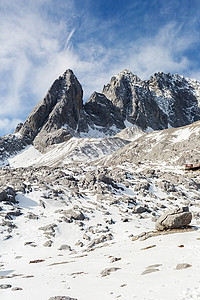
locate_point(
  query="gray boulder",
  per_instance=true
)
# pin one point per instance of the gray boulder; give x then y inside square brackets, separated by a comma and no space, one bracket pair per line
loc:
[5,286]
[183,266]
[73,215]
[176,218]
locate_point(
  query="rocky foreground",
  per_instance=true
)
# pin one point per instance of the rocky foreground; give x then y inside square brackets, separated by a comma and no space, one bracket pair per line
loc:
[85,232]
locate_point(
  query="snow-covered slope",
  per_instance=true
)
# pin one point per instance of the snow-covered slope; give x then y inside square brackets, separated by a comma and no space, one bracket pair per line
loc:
[176,146]
[80,232]
[73,151]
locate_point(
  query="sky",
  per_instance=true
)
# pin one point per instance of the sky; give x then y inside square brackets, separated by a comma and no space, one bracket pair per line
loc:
[40,39]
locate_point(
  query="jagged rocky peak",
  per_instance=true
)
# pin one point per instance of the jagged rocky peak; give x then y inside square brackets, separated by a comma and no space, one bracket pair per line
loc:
[162,80]
[163,101]
[58,114]
[128,76]
[132,96]
[120,87]
[101,112]
[177,97]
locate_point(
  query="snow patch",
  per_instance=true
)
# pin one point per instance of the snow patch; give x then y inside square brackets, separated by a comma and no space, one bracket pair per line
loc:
[25,158]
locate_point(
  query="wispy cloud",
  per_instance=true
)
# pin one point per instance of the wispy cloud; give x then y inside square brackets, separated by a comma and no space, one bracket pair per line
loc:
[8,124]
[36,47]
[162,52]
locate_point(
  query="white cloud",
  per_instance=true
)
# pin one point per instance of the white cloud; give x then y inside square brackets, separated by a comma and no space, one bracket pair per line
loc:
[35,50]
[7,125]
[163,52]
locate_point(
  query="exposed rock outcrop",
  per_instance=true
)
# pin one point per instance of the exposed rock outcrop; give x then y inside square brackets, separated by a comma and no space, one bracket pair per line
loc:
[61,109]
[103,113]
[135,101]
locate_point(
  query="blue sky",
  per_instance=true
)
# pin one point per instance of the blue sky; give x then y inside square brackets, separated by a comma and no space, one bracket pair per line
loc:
[40,39]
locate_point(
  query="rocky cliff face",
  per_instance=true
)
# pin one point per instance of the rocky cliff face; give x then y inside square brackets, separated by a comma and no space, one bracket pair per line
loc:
[135,101]
[56,118]
[177,97]
[163,101]
[102,114]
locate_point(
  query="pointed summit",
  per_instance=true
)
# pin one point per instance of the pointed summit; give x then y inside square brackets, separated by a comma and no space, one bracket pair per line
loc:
[62,105]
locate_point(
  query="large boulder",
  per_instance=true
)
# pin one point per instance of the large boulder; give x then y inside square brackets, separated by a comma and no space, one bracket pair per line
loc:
[176,218]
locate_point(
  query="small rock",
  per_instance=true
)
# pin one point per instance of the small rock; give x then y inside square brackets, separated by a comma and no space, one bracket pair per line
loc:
[65,247]
[48,243]
[125,220]
[86,237]
[8,195]
[32,244]
[79,243]
[154,266]
[49,227]
[148,271]
[148,247]
[73,215]
[32,216]
[139,210]
[114,259]
[183,266]
[17,289]
[5,286]
[110,221]
[107,271]
[8,237]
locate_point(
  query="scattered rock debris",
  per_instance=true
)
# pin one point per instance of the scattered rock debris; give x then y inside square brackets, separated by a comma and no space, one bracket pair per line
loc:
[108,271]
[36,261]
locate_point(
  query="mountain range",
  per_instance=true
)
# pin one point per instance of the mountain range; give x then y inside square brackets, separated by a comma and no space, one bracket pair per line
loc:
[126,104]
[83,186]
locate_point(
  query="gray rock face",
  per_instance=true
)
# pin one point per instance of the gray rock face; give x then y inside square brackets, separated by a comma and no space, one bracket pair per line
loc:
[133,97]
[176,218]
[10,145]
[163,146]
[61,107]
[163,100]
[176,97]
[102,112]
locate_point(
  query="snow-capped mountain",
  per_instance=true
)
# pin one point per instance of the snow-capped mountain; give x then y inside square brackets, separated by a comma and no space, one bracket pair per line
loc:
[83,185]
[162,102]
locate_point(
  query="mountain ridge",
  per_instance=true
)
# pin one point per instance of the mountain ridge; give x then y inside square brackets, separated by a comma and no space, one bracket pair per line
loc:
[161,102]
[83,189]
